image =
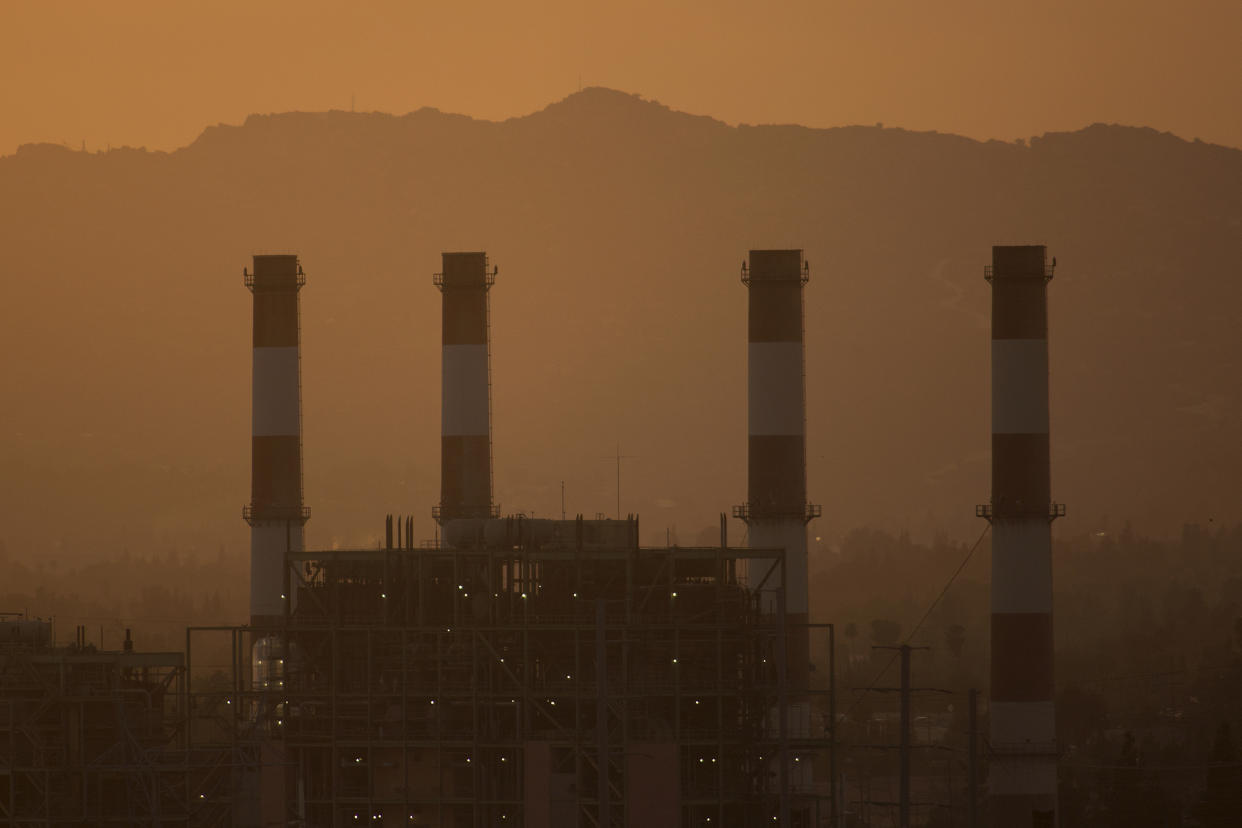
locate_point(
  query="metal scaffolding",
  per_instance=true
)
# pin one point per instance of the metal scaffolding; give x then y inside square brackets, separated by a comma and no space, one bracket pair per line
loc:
[91,737]
[532,680]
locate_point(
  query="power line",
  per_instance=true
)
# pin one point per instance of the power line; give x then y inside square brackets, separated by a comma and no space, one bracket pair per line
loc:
[970,554]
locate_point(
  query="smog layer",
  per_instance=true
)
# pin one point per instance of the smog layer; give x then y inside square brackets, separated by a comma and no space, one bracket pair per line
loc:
[619,227]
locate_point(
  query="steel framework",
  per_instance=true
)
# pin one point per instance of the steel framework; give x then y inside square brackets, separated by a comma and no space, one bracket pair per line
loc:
[524,682]
[91,737]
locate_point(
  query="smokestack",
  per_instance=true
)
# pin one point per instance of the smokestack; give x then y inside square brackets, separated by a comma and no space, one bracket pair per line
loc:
[776,509]
[1023,781]
[275,513]
[465,401]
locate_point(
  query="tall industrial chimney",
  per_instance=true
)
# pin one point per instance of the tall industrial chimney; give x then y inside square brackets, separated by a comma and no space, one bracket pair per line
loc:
[1023,784]
[275,513]
[776,509]
[465,402]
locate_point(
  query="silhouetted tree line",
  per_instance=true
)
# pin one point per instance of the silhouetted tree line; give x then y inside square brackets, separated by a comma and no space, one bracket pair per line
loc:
[1148,670]
[155,595]
[1149,652]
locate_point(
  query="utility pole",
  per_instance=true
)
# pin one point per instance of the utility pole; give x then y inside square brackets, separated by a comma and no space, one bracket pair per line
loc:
[903,803]
[782,679]
[601,713]
[832,718]
[972,788]
[619,457]
[904,753]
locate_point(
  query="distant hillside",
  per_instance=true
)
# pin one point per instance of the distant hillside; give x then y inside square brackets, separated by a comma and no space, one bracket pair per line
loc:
[618,226]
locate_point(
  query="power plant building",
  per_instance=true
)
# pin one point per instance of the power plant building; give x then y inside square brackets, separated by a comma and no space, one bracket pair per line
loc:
[514,671]
[528,672]
[96,737]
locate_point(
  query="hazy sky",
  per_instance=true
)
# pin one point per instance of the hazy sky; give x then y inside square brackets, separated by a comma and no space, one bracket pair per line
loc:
[155,73]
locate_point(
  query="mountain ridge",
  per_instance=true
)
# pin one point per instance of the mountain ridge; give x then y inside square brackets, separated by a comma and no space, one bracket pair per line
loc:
[587,102]
[617,315]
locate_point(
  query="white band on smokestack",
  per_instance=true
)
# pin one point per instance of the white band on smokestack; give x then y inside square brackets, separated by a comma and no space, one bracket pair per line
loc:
[464,407]
[775,380]
[1023,725]
[275,513]
[275,393]
[465,402]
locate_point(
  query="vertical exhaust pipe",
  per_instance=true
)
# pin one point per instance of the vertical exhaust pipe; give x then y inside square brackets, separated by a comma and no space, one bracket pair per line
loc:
[465,402]
[1023,785]
[776,509]
[275,513]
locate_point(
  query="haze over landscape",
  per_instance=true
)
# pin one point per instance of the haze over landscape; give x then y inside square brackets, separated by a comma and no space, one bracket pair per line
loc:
[617,164]
[149,73]
[618,225]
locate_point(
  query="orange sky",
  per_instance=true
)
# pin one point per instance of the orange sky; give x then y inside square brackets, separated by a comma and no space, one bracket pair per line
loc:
[155,73]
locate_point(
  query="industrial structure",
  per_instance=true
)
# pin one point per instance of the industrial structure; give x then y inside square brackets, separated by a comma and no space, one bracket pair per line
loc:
[524,672]
[533,672]
[514,671]
[1023,782]
[776,509]
[94,737]
[276,513]
[466,389]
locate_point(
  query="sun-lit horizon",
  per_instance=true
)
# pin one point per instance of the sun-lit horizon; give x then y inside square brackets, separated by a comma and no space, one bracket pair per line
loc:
[352,109]
[817,414]
[153,75]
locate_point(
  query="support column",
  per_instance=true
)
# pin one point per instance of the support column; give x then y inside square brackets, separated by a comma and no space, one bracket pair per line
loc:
[276,513]
[1023,781]
[776,508]
[465,403]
